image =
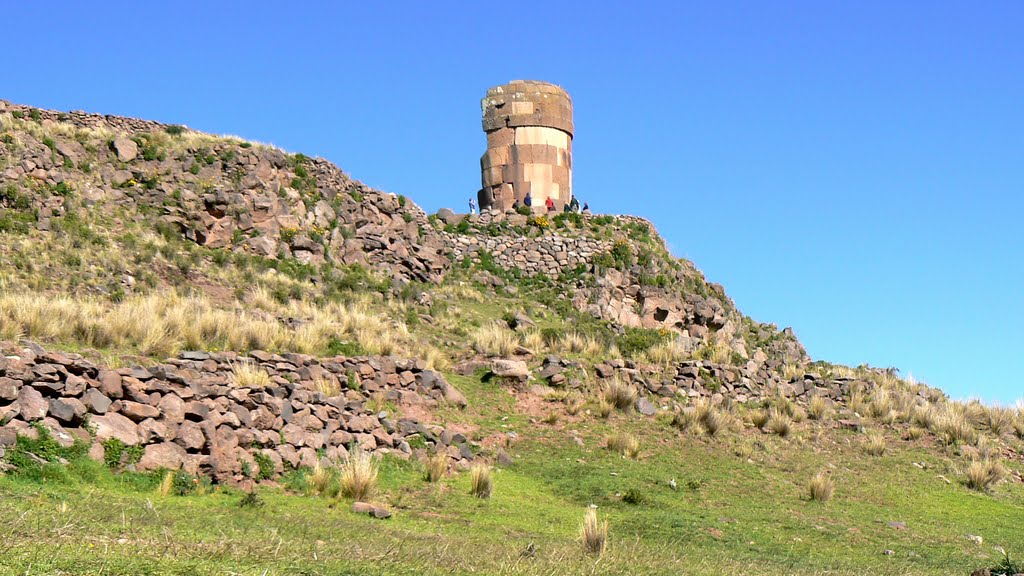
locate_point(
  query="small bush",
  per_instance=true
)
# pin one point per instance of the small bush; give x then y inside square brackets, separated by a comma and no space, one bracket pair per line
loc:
[619,394]
[818,408]
[604,408]
[779,424]
[249,375]
[251,500]
[625,444]
[358,475]
[983,474]
[915,433]
[759,418]
[435,467]
[593,533]
[319,480]
[821,487]
[874,444]
[480,484]
[634,496]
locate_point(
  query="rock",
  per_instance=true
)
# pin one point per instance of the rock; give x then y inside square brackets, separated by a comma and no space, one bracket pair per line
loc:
[897,525]
[126,149]
[166,455]
[138,411]
[190,436]
[515,369]
[110,384]
[31,404]
[378,512]
[645,407]
[95,402]
[114,425]
[67,410]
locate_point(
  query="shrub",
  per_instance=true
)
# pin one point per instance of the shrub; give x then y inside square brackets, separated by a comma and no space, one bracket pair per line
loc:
[358,475]
[480,484]
[818,408]
[319,479]
[779,424]
[249,375]
[436,467]
[637,341]
[821,487]
[494,339]
[634,496]
[874,444]
[759,418]
[625,444]
[593,533]
[999,420]
[251,500]
[604,408]
[915,432]
[175,130]
[265,465]
[983,474]
[619,394]
[953,427]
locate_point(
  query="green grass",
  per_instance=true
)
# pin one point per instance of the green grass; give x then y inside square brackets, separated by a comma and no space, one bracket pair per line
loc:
[728,515]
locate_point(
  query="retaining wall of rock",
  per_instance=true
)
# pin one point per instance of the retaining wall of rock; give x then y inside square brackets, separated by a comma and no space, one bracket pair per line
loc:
[188,412]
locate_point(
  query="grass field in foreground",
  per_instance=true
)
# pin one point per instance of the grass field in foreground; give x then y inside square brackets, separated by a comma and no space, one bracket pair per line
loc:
[740,506]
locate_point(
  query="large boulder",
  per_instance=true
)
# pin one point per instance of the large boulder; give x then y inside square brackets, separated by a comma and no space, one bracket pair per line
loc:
[125,148]
[114,425]
[512,369]
[166,455]
[31,404]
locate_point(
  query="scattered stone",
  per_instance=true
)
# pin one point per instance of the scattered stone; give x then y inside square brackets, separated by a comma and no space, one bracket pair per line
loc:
[378,512]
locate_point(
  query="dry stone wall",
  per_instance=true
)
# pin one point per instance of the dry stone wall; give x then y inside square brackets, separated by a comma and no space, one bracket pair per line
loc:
[187,414]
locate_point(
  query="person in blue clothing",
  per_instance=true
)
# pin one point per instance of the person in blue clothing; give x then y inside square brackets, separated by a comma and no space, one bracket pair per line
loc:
[528,201]
[472,206]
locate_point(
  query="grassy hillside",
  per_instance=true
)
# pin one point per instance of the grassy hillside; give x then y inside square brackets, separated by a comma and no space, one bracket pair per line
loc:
[104,257]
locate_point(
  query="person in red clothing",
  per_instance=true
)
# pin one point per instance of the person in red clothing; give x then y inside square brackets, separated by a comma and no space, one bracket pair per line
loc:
[550,205]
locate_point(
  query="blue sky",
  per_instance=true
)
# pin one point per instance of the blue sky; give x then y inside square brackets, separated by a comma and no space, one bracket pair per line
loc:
[853,170]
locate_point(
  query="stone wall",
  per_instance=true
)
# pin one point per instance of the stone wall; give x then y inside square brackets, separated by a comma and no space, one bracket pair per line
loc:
[187,413]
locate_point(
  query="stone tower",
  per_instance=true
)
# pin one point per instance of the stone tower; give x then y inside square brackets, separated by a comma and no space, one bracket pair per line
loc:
[529,145]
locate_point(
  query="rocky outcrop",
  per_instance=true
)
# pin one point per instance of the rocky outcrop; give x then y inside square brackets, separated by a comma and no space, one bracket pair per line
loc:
[190,413]
[219,192]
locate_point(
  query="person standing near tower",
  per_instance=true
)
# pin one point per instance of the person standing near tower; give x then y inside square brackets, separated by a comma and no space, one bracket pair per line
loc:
[472,206]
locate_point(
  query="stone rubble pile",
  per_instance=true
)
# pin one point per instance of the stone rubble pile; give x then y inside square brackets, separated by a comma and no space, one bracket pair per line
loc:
[187,413]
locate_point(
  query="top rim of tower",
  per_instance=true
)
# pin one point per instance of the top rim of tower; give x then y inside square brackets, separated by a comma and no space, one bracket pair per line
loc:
[528,85]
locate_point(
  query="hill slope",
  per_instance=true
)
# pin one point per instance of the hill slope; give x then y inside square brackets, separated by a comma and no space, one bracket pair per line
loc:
[175,300]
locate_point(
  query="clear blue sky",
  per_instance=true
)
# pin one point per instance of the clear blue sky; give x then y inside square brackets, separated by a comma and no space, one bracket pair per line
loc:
[853,170]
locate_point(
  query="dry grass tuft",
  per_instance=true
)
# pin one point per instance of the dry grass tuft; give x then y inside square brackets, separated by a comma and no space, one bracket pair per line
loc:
[320,479]
[625,444]
[619,394]
[593,533]
[604,408]
[779,424]
[1000,420]
[874,444]
[249,375]
[328,385]
[821,487]
[819,408]
[494,339]
[574,402]
[358,475]
[759,418]
[435,467]
[480,484]
[166,484]
[984,474]
[915,432]
[953,426]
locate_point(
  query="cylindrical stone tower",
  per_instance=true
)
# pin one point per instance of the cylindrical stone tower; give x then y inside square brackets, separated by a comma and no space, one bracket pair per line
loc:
[529,145]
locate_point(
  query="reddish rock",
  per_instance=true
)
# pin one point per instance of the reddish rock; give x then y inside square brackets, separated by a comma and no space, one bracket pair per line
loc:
[110,384]
[114,425]
[166,455]
[138,411]
[95,401]
[172,408]
[190,436]
[31,404]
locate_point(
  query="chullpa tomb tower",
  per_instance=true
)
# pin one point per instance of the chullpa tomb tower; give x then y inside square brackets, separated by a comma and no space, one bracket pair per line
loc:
[529,145]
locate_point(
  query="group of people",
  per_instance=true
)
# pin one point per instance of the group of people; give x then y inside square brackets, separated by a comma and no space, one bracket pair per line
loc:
[571,206]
